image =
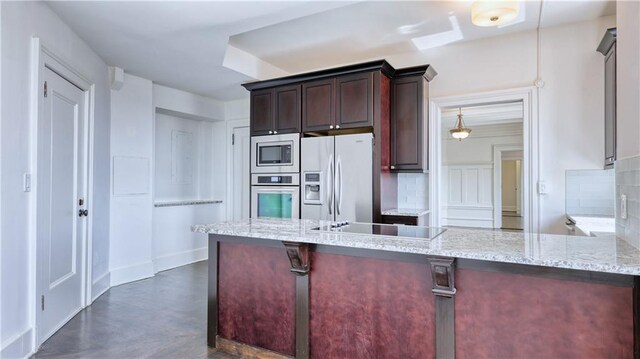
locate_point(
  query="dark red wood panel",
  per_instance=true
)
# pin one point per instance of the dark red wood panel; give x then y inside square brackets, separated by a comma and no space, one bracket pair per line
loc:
[256,297]
[500,315]
[370,308]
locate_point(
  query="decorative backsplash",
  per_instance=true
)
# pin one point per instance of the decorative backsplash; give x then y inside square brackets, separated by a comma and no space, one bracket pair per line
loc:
[413,190]
[590,192]
[628,184]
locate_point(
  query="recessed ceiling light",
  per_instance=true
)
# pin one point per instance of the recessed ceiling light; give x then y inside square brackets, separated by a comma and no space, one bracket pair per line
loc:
[487,13]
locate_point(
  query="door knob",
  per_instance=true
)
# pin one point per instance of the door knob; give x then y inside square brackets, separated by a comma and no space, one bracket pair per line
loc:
[83,213]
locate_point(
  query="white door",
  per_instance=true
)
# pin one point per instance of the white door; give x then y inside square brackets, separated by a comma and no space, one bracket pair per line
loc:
[241,178]
[61,185]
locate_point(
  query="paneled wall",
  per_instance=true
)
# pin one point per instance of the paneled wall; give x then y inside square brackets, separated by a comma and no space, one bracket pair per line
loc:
[468,198]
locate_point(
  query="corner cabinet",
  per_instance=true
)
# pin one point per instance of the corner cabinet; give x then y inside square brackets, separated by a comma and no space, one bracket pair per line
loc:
[276,110]
[608,48]
[410,119]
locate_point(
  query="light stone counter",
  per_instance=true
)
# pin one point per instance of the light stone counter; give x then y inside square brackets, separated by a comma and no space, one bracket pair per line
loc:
[407,212]
[598,254]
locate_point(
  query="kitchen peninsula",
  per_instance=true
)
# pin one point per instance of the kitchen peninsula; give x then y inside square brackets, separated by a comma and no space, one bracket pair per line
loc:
[297,288]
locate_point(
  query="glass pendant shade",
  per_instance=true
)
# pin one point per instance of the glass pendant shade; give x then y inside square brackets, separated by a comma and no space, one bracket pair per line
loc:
[487,13]
[460,132]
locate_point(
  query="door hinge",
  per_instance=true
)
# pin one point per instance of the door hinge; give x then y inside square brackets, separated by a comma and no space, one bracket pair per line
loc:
[233,139]
[45,89]
[42,302]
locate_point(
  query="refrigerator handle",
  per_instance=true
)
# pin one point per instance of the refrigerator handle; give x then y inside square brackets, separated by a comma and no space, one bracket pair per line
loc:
[330,184]
[339,183]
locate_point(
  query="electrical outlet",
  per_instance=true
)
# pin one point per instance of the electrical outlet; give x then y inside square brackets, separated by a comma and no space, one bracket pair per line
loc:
[26,182]
[623,206]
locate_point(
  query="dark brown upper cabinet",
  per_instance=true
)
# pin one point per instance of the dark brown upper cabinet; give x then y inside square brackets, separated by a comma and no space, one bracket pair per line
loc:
[318,103]
[354,101]
[608,48]
[262,112]
[276,110]
[409,120]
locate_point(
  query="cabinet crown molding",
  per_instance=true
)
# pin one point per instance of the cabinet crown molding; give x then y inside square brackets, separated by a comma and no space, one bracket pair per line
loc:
[378,65]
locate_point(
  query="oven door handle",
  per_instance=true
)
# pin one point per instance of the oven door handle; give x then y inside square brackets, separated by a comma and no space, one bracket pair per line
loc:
[330,183]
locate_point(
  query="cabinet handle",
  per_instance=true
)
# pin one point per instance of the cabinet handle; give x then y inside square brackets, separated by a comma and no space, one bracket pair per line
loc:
[331,127]
[337,126]
[271,132]
[392,167]
[275,132]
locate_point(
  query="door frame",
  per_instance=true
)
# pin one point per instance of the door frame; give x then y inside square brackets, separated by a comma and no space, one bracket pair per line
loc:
[43,57]
[529,98]
[497,181]
[231,126]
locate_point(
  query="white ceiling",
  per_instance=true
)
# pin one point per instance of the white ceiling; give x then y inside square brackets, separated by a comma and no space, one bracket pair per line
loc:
[494,114]
[183,44]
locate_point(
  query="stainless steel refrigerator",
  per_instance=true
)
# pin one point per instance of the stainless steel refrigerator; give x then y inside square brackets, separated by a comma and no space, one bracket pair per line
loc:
[337,173]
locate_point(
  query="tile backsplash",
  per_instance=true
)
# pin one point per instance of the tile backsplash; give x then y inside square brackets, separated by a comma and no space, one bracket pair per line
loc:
[413,190]
[590,192]
[628,184]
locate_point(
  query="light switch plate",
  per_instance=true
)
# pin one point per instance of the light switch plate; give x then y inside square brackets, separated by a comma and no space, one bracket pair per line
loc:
[26,182]
[542,187]
[623,206]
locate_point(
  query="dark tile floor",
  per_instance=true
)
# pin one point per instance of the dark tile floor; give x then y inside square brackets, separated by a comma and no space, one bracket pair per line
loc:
[160,317]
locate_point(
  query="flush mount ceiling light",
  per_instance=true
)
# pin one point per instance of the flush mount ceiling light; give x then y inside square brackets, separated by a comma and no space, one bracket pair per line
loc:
[494,12]
[460,132]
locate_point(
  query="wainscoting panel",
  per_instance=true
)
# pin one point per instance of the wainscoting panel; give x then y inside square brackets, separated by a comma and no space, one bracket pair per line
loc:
[468,193]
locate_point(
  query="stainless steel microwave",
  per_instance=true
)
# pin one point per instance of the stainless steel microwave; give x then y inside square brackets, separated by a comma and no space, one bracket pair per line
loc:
[275,154]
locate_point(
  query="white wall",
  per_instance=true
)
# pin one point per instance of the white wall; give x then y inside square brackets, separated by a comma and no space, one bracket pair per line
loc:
[627,166]
[628,79]
[571,103]
[131,207]
[20,22]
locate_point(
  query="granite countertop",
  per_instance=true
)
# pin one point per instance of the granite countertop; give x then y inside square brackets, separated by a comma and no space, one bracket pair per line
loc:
[598,254]
[407,212]
[187,202]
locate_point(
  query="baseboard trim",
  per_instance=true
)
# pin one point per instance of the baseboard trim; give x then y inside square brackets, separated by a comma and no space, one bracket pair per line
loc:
[100,285]
[246,350]
[19,346]
[131,273]
[179,259]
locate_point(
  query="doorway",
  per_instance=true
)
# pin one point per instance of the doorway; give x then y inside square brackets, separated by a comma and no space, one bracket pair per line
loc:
[61,203]
[438,133]
[241,142]
[508,188]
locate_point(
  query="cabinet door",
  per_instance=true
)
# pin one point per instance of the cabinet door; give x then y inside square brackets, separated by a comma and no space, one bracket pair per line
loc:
[318,104]
[288,112]
[408,124]
[262,112]
[354,101]
[610,108]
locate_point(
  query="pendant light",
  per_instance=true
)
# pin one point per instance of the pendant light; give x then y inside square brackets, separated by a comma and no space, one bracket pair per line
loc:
[487,13]
[460,132]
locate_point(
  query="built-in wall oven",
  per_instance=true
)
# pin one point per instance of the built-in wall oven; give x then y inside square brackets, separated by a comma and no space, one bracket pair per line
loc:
[275,195]
[275,154]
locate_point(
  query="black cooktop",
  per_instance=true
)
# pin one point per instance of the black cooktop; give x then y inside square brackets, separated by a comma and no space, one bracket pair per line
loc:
[416,232]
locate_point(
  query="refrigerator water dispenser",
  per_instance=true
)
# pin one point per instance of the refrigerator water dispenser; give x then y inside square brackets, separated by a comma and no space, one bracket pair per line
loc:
[312,188]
